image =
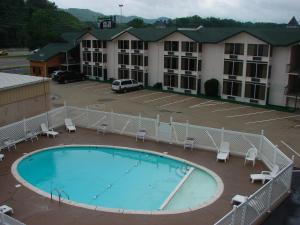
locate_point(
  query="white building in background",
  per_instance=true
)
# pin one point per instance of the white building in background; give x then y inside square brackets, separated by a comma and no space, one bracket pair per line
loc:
[252,65]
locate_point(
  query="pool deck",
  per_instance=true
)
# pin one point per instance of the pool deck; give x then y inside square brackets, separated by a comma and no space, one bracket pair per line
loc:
[34,209]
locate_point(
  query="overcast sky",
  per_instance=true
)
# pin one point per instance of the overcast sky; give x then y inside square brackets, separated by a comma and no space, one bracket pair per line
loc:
[246,10]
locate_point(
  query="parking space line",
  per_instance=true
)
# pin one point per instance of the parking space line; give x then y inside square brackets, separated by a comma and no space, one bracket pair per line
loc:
[156,99]
[229,109]
[140,96]
[93,86]
[179,101]
[213,104]
[249,114]
[297,125]
[278,118]
[202,103]
[290,148]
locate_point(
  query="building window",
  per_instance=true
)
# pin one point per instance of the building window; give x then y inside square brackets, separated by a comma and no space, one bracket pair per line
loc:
[189,64]
[171,46]
[123,59]
[104,44]
[87,70]
[232,87]
[146,61]
[86,43]
[257,70]
[170,80]
[234,48]
[258,50]
[123,44]
[123,74]
[146,45]
[171,62]
[97,57]
[97,71]
[199,65]
[188,46]
[233,68]
[188,82]
[104,58]
[255,91]
[36,70]
[97,44]
[137,75]
[86,56]
[138,45]
[137,59]
[199,47]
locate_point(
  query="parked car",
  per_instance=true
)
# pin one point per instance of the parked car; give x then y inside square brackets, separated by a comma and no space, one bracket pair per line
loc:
[56,72]
[125,85]
[3,52]
[68,76]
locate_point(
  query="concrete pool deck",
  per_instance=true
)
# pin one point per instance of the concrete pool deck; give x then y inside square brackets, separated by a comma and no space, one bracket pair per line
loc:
[35,209]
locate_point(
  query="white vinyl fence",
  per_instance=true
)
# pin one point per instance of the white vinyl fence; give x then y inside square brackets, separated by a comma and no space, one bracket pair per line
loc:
[7,220]
[175,133]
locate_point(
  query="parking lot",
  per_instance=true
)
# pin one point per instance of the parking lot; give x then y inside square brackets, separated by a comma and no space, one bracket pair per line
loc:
[282,128]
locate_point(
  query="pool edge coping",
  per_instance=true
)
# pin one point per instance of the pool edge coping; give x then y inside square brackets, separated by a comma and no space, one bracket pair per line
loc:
[31,187]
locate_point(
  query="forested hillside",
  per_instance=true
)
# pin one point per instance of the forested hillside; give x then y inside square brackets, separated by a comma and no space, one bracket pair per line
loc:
[33,23]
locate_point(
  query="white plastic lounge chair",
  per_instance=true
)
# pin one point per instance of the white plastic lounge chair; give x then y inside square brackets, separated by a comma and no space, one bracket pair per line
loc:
[102,128]
[189,143]
[70,126]
[9,143]
[31,136]
[265,175]
[223,151]
[6,209]
[140,135]
[238,199]
[48,132]
[251,155]
[2,157]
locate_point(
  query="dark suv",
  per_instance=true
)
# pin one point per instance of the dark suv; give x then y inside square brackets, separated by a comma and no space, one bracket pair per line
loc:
[68,76]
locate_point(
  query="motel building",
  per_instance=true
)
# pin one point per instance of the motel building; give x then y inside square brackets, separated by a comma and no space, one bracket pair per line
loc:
[252,65]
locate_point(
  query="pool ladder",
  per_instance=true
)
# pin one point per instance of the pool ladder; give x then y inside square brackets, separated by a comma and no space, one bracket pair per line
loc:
[60,193]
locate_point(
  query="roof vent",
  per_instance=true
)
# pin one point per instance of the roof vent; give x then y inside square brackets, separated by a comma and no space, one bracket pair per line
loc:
[293,23]
[192,29]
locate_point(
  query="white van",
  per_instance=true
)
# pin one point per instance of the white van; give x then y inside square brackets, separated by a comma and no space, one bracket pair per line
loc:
[125,85]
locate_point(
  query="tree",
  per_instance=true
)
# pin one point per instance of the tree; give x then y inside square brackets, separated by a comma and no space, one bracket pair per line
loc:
[136,23]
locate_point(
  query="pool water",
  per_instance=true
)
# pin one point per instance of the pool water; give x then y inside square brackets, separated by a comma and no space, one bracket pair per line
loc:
[116,178]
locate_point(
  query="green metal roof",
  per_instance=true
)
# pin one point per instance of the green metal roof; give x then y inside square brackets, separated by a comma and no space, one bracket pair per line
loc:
[273,36]
[51,50]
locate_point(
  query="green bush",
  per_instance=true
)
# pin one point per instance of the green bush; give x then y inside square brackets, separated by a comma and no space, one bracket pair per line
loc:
[212,88]
[158,86]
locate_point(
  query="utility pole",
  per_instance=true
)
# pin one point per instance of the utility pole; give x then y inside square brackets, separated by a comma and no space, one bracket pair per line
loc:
[121,6]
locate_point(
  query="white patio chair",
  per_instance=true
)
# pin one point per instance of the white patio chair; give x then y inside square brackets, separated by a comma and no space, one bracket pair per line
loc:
[102,128]
[70,126]
[140,135]
[251,156]
[189,143]
[265,175]
[46,131]
[9,143]
[31,136]
[2,157]
[223,151]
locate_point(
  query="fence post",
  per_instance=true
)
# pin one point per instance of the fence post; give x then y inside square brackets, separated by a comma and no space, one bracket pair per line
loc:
[187,129]
[24,127]
[171,133]
[111,121]
[222,135]
[270,195]
[261,142]
[157,128]
[66,109]
[233,215]
[140,121]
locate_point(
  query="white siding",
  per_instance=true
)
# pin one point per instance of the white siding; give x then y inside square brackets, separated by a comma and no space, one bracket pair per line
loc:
[279,76]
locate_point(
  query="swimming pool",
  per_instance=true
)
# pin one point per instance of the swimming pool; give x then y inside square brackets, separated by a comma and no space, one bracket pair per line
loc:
[118,179]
